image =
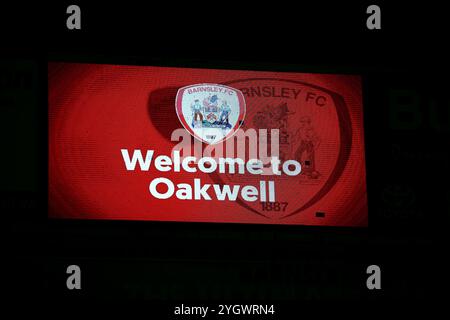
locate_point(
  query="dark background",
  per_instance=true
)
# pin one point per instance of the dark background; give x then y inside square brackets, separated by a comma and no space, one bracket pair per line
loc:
[406,115]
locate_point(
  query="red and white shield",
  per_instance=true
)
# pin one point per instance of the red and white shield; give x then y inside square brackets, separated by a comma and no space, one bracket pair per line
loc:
[210,112]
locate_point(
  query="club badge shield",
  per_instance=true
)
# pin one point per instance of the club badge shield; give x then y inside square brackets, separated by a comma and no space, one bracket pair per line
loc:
[210,112]
[315,129]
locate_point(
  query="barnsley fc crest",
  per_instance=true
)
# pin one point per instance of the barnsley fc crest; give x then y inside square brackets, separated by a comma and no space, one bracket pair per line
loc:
[210,112]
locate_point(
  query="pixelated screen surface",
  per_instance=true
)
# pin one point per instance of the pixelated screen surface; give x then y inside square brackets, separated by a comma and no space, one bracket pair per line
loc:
[119,137]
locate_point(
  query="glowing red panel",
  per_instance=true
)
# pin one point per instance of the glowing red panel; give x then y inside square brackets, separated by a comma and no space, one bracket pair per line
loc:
[101,117]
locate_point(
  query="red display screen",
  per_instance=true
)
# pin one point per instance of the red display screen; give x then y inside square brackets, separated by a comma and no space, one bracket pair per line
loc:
[205,145]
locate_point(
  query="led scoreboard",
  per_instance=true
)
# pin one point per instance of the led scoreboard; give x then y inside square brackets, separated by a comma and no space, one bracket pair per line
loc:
[205,145]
